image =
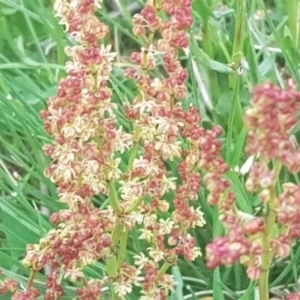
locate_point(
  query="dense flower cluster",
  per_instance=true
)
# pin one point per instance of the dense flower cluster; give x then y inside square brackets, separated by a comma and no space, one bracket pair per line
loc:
[293,296]
[288,214]
[241,243]
[161,125]
[86,160]
[146,193]
[270,118]
[84,156]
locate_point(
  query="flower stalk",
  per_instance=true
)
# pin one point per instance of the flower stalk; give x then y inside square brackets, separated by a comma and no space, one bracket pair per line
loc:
[89,145]
[267,256]
[86,156]
[236,62]
[251,240]
[267,251]
[113,197]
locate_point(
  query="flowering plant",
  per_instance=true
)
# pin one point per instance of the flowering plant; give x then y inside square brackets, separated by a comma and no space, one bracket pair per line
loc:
[150,174]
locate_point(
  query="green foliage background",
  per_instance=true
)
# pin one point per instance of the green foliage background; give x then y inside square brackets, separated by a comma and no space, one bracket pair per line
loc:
[32,61]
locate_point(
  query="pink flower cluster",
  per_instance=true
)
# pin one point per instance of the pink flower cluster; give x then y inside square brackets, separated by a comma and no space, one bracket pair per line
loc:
[86,158]
[271,118]
[81,119]
[293,296]
[161,125]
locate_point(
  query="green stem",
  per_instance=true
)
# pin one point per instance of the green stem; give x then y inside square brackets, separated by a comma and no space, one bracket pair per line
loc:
[120,233]
[117,233]
[31,279]
[133,153]
[123,246]
[292,10]
[111,266]
[163,270]
[135,205]
[267,256]
[85,282]
[237,56]
[113,197]
[112,271]
[134,149]
[113,294]
[240,26]
[232,130]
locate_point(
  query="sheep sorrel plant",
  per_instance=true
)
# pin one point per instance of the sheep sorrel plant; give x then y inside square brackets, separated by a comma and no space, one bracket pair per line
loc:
[256,240]
[87,161]
[141,183]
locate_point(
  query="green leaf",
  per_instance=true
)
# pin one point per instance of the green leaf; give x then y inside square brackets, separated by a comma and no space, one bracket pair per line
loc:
[201,9]
[217,286]
[242,199]
[249,293]
[204,60]
[238,146]
[178,293]
[18,230]
[266,66]
[224,104]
